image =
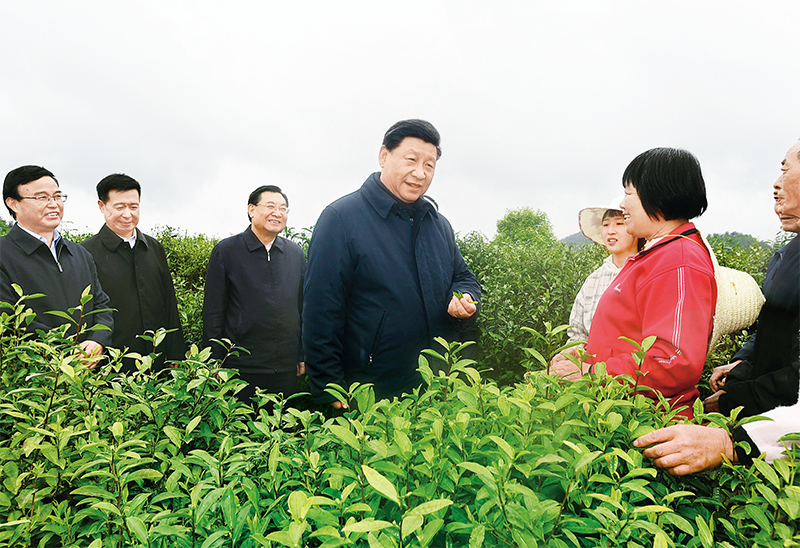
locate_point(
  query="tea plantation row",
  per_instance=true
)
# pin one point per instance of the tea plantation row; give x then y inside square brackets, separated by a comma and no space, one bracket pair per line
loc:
[473,458]
[99,459]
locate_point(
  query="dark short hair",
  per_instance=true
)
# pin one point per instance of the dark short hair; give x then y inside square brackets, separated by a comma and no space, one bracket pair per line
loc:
[421,129]
[255,196]
[119,182]
[22,176]
[669,182]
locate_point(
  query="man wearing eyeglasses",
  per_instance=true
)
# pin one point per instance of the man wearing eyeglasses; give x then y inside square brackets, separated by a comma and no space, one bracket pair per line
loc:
[133,269]
[254,298]
[34,256]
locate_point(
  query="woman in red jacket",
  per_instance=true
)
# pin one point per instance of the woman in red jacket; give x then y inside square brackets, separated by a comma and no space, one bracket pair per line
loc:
[667,289]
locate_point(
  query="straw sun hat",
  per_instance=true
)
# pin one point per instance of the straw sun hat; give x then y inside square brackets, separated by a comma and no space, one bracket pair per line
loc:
[590,219]
[739,299]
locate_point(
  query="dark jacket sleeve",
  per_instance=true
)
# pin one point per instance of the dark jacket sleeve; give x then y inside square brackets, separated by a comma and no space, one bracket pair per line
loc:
[464,281]
[301,355]
[214,300]
[765,392]
[328,277]
[8,295]
[744,457]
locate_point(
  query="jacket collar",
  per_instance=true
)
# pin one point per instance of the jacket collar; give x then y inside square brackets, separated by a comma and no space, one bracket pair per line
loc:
[112,241]
[29,244]
[685,229]
[254,244]
[382,200]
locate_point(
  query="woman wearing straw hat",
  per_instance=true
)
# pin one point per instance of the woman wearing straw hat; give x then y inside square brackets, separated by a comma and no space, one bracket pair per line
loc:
[604,226]
[667,290]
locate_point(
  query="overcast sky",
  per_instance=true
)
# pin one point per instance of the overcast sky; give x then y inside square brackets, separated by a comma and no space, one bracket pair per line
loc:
[540,104]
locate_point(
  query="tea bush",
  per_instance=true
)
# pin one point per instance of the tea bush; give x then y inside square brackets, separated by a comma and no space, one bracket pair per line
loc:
[524,285]
[162,459]
[187,256]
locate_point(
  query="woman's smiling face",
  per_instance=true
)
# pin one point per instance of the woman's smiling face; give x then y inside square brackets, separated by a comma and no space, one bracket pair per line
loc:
[615,236]
[638,223]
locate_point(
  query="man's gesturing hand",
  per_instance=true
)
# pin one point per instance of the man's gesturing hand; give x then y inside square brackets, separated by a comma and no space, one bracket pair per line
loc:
[462,308]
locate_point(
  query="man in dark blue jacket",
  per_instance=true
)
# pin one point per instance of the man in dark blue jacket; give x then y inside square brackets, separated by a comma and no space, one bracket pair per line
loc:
[34,256]
[383,273]
[254,298]
[764,373]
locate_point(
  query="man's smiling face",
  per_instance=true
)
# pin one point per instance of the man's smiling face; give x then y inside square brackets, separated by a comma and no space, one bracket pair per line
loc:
[40,217]
[407,170]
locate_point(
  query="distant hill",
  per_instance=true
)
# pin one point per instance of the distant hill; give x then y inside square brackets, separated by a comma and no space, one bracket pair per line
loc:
[576,240]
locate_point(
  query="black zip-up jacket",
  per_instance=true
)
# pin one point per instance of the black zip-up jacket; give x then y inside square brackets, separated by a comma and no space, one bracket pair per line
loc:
[254,298]
[380,277]
[27,262]
[768,375]
[139,286]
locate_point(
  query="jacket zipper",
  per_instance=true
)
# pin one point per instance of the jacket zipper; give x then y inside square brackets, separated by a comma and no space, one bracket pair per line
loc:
[58,254]
[377,338]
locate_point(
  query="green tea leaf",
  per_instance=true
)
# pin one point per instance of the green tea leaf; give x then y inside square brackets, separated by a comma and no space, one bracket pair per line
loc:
[108,507]
[173,434]
[429,507]
[213,538]
[411,523]
[146,474]
[380,484]
[768,472]
[138,527]
[758,516]
[476,537]
[366,525]
[193,424]
[504,446]
[704,532]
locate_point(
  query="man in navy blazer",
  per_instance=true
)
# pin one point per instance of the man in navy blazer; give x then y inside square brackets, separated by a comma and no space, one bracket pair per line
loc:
[254,298]
[385,275]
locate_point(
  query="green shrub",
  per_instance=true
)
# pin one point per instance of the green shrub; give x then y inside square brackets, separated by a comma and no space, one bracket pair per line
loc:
[529,279]
[100,459]
[187,256]
[752,259]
